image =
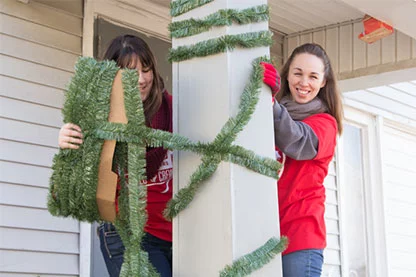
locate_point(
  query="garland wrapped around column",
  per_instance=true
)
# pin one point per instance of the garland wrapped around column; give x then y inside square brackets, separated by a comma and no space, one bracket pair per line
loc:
[255,260]
[73,184]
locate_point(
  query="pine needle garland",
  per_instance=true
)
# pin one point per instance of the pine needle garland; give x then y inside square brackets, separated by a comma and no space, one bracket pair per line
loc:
[183,6]
[220,45]
[222,149]
[223,17]
[256,259]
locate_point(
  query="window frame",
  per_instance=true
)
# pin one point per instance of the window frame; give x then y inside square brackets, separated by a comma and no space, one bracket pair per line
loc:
[371,127]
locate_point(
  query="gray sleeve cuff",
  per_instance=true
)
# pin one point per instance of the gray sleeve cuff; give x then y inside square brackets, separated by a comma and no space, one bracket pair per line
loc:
[294,138]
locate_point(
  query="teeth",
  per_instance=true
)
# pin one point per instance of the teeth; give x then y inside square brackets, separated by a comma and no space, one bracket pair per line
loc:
[303,91]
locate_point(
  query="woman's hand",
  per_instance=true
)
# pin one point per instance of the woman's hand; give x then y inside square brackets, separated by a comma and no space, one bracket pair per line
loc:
[70,136]
[271,77]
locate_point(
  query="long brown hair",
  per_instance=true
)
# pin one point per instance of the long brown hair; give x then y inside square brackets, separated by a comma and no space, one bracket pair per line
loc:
[125,50]
[329,94]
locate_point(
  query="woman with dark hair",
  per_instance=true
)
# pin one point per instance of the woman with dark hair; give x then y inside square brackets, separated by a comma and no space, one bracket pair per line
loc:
[132,52]
[307,118]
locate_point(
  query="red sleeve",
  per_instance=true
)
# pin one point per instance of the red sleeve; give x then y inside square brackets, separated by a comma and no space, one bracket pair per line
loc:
[155,156]
[325,127]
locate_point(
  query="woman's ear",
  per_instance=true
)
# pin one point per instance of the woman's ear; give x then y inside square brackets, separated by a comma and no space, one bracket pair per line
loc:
[323,83]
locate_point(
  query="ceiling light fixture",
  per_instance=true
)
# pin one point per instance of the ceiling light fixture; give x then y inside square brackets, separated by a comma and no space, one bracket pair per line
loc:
[374,29]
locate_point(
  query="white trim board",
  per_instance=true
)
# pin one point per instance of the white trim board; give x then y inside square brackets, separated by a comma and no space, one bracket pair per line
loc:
[377,111]
[374,192]
[382,79]
[150,19]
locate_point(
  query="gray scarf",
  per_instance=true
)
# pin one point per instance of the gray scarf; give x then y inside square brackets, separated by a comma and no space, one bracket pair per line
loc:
[301,111]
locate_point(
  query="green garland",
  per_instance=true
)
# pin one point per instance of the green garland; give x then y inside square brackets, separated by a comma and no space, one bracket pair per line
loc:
[223,17]
[256,259]
[220,45]
[182,6]
[131,224]
[221,146]
[252,261]
[72,190]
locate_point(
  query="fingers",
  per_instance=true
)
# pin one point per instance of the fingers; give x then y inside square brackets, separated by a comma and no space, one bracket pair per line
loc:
[71,126]
[67,145]
[270,75]
[268,67]
[70,136]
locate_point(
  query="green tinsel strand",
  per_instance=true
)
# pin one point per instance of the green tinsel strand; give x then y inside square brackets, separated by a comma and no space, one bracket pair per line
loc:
[253,165]
[243,153]
[121,222]
[137,193]
[256,259]
[246,158]
[222,145]
[185,196]
[223,17]
[182,6]
[220,45]
[151,137]
[248,102]
[137,205]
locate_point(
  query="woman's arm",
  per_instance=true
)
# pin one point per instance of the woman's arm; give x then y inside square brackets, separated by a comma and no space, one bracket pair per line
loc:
[294,138]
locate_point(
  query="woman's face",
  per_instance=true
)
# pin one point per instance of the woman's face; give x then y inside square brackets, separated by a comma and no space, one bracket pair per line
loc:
[145,80]
[306,77]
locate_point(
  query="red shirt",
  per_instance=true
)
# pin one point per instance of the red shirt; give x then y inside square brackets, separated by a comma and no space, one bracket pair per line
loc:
[302,193]
[159,192]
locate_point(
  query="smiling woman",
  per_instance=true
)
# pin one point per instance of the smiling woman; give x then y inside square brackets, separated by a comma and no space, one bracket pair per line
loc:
[307,118]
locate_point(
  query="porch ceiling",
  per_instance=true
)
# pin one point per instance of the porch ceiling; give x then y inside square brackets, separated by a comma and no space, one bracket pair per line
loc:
[292,16]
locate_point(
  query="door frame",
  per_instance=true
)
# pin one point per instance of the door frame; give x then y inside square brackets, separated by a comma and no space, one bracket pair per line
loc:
[150,19]
[371,130]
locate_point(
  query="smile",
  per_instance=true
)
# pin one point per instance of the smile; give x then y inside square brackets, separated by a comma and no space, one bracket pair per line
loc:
[303,92]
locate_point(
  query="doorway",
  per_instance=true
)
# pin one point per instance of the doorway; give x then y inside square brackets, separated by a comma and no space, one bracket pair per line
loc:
[104,31]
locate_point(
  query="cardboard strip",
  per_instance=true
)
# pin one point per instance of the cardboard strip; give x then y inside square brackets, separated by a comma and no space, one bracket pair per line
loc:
[107,179]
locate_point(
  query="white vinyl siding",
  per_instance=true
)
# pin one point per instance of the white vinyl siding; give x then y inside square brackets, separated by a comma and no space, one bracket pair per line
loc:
[39,45]
[399,151]
[332,256]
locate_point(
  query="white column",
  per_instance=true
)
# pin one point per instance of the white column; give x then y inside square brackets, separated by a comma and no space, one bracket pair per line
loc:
[236,210]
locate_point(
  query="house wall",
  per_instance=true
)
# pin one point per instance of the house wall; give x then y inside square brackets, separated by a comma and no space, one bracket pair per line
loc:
[398,152]
[352,57]
[39,44]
